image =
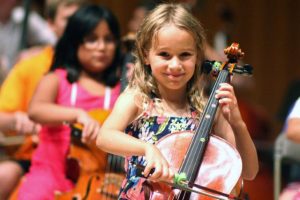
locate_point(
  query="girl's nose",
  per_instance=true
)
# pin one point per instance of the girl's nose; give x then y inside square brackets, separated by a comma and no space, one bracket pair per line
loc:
[101,44]
[175,64]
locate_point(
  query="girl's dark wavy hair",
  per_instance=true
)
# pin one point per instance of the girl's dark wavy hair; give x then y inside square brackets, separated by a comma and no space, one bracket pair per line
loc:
[81,24]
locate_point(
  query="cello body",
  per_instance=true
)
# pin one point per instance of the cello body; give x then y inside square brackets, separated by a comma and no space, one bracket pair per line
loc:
[220,170]
[90,168]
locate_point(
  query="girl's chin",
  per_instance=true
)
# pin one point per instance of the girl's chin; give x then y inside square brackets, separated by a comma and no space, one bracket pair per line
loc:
[94,71]
[97,68]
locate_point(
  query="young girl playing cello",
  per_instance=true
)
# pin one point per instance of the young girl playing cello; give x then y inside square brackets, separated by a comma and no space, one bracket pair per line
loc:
[165,95]
[84,76]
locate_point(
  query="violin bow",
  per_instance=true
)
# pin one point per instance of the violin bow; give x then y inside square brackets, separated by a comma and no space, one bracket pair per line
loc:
[181,183]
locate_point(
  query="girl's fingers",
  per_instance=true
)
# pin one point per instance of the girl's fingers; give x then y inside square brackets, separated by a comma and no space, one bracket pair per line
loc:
[84,133]
[225,90]
[165,173]
[18,124]
[161,172]
[225,86]
[26,126]
[90,130]
[21,128]
[225,101]
[226,109]
[222,94]
[96,131]
[157,172]
[148,168]
[87,130]
[37,128]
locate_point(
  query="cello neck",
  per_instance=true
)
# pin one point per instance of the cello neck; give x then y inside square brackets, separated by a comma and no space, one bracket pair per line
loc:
[194,157]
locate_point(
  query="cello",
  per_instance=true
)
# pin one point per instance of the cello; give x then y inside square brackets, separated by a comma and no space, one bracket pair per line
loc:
[95,173]
[208,166]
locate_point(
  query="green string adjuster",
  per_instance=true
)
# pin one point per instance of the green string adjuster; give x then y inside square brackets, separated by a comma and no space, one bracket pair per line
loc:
[180,179]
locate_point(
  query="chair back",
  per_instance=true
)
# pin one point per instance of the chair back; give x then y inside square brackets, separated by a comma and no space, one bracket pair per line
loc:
[285,150]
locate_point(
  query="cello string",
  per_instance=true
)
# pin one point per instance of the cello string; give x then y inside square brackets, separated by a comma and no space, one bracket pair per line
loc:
[110,185]
[207,124]
[113,169]
[211,110]
[192,151]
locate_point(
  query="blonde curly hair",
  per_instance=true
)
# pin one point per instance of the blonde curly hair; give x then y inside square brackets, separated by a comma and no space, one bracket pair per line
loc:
[142,81]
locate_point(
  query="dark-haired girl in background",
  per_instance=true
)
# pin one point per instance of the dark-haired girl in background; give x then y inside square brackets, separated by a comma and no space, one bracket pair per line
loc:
[84,76]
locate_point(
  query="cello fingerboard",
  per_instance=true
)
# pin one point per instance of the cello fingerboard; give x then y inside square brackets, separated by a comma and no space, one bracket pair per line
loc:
[200,140]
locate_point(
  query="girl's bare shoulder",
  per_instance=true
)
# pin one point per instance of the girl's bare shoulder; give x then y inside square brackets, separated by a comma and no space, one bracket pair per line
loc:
[131,97]
[125,110]
[129,101]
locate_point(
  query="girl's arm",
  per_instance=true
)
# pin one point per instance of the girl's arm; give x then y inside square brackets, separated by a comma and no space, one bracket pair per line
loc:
[231,127]
[43,108]
[112,138]
[18,122]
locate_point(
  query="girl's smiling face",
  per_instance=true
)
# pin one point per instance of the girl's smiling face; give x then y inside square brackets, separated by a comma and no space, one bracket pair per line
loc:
[172,58]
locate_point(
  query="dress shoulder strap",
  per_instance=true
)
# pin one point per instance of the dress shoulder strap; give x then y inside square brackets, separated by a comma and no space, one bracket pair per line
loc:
[148,107]
[107,98]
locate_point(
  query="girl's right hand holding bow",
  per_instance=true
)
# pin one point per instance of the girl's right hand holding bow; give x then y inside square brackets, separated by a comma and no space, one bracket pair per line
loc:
[156,161]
